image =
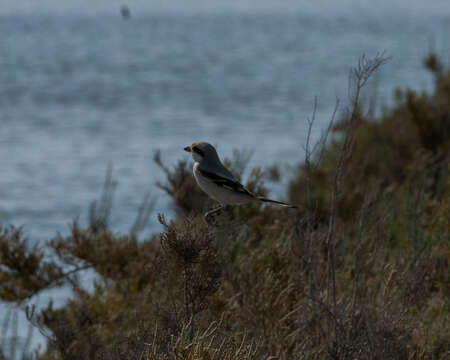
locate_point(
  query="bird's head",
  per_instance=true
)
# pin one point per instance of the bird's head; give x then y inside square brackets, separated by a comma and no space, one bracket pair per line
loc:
[201,150]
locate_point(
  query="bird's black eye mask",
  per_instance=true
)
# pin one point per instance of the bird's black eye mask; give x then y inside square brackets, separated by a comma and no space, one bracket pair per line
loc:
[198,151]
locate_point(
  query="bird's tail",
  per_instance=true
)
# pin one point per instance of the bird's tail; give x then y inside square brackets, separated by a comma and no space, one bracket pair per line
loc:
[277,202]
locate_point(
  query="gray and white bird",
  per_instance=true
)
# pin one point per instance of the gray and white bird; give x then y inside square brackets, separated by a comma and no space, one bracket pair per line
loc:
[218,182]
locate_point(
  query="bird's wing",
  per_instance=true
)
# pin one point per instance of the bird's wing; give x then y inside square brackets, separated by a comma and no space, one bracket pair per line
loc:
[225,181]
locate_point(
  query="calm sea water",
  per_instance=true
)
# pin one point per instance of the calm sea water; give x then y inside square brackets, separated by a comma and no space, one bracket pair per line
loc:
[80,92]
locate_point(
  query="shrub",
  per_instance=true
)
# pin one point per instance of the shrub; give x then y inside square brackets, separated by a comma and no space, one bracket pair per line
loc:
[360,271]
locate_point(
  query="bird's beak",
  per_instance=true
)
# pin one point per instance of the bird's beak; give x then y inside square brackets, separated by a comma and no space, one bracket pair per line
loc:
[187,148]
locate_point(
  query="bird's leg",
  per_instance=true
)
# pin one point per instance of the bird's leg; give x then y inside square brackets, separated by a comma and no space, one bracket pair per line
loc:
[210,213]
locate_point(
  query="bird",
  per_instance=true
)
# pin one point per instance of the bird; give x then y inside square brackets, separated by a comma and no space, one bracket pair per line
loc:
[218,182]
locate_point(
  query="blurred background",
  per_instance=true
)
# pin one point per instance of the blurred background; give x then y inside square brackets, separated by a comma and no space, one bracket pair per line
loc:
[84,84]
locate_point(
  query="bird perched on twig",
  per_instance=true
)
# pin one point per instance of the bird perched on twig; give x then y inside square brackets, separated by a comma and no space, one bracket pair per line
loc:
[218,182]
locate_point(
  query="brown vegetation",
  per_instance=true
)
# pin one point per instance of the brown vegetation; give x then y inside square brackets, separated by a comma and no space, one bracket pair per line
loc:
[360,272]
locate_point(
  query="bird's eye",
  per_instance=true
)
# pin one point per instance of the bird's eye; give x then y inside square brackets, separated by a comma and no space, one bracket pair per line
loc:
[198,151]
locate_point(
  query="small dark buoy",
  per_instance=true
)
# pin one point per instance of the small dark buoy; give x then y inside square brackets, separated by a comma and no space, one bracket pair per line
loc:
[125,12]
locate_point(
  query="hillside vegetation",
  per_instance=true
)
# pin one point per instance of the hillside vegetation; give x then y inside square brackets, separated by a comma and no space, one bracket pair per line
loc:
[360,271]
